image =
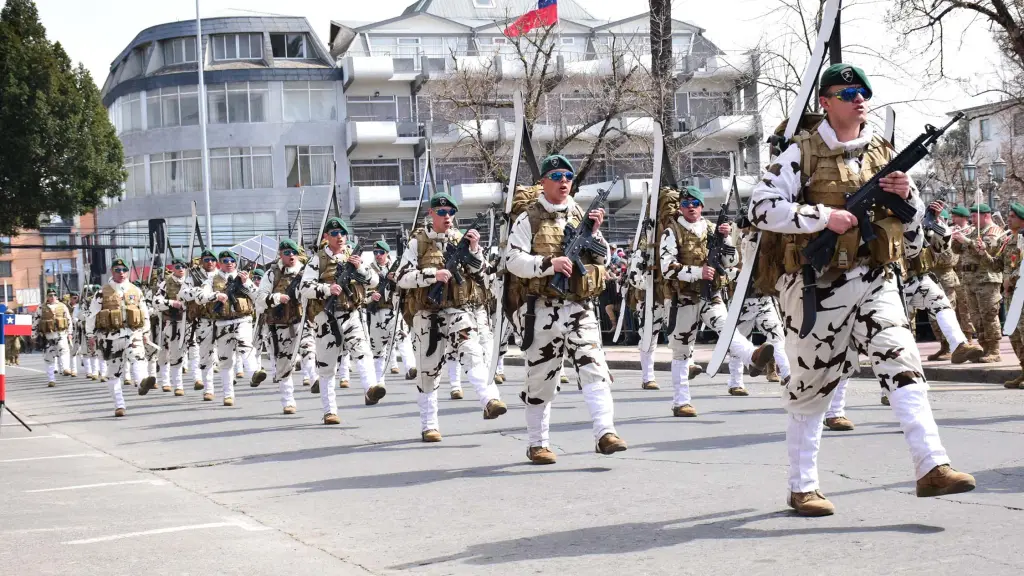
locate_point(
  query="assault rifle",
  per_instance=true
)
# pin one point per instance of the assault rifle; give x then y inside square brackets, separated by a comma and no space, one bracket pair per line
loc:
[455,256]
[292,291]
[387,286]
[717,250]
[579,239]
[819,252]
[234,289]
[931,223]
[345,273]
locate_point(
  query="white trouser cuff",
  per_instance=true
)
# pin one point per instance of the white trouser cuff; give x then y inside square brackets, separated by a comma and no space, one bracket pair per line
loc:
[837,408]
[114,384]
[328,399]
[680,382]
[735,372]
[378,368]
[598,397]
[946,319]
[911,407]
[741,348]
[803,439]
[287,388]
[427,402]
[367,375]
[408,356]
[647,366]
[227,380]
[538,423]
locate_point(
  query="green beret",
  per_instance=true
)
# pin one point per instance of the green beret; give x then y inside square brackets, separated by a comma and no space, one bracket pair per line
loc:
[944,214]
[843,74]
[73,294]
[336,223]
[695,192]
[207,253]
[288,244]
[227,254]
[258,272]
[981,208]
[179,261]
[1018,209]
[51,292]
[382,245]
[961,211]
[443,200]
[118,261]
[555,162]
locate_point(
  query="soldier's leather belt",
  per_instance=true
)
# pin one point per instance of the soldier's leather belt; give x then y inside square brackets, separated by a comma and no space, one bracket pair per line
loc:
[970,268]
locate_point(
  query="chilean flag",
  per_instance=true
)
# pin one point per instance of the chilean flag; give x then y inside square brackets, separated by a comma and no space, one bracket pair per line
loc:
[17,325]
[546,14]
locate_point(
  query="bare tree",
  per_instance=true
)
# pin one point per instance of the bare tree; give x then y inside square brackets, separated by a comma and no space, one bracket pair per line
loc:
[662,69]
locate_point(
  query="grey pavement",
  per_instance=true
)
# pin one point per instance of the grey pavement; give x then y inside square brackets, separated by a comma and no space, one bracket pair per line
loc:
[182,486]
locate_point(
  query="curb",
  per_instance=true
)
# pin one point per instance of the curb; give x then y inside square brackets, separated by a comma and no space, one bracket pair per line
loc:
[974,374]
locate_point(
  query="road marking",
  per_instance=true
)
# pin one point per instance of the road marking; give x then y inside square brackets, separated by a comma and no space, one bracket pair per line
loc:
[29,369]
[18,424]
[100,485]
[34,437]
[87,455]
[228,523]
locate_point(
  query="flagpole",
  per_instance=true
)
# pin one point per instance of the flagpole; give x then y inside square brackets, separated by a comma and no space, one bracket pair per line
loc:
[202,124]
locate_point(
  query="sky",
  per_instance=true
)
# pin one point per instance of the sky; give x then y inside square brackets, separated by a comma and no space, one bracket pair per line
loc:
[95,31]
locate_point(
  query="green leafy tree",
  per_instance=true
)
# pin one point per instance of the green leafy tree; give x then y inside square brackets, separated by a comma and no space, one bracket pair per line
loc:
[59,153]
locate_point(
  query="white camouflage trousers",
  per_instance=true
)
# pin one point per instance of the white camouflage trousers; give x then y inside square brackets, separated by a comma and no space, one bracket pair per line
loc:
[691,311]
[761,312]
[857,314]
[171,358]
[383,331]
[232,337]
[565,328]
[282,340]
[924,293]
[647,349]
[56,354]
[328,354]
[120,349]
[432,332]
[203,337]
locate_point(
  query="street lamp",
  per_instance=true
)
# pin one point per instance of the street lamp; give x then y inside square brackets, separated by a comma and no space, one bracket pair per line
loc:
[996,175]
[970,172]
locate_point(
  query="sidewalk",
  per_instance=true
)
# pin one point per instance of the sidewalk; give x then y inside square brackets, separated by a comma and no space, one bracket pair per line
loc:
[626,358]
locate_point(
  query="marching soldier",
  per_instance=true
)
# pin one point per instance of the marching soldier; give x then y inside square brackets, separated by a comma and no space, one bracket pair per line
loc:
[556,324]
[169,304]
[683,266]
[281,314]
[383,327]
[943,267]
[450,322]
[76,334]
[983,278]
[761,311]
[1013,250]
[200,336]
[261,338]
[961,217]
[859,306]
[340,332]
[227,295]
[118,319]
[53,328]
[95,365]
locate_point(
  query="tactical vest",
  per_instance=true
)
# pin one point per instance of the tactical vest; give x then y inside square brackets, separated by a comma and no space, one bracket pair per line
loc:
[547,243]
[428,255]
[119,311]
[195,310]
[328,270]
[51,321]
[243,305]
[385,302]
[172,287]
[826,179]
[920,264]
[285,314]
[691,250]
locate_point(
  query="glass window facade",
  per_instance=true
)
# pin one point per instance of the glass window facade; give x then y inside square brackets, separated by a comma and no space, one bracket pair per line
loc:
[309,165]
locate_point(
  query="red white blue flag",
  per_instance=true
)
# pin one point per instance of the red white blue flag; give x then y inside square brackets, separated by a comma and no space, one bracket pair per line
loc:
[17,325]
[546,14]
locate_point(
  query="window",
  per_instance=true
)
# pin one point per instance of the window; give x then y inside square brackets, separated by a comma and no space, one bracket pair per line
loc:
[238,102]
[309,165]
[483,3]
[135,183]
[10,293]
[706,166]
[179,51]
[379,108]
[130,106]
[986,130]
[381,172]
[176,172]
[706,106]
[238,47]
[170,107]
[288,45]
[56,238]
[568,41]
[241,168]
[5,269]
[309,102]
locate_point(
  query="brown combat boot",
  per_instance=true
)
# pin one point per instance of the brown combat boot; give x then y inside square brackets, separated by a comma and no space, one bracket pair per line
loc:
[494,409]
[761,356]
[456,394]
[992,354]
[652,385]
[839,424]
[374,394]
[1015,383]
[540,455]
[772,373]
[229,401]
[343,383]
[610,444]
[257,378]
[943,480]
[684,411]
[289,409]
[119,412]
[965,352]
[811,504]
[331,419]
[430,436]
[943,353]
[315,388]
[179,391]
[738,391]
[208,397]
[411,375]
[693,371]
[885,400]
[198,385]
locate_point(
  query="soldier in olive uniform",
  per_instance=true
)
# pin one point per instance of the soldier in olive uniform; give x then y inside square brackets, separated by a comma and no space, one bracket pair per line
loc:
[961,217]
[859,308]
[560,324]
[451,322]
[1012,251]
[983,278]
[943,267]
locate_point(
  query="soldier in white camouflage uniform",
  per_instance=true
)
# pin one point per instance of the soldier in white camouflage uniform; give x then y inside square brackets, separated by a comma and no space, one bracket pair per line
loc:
[200,336]
[343,331]
[52,326]
[448,322]
[118,318]
[859,309]
[167,301]
[683,266]
[94,367]
[76,334]
[281,313]
[384,329]
[561,324]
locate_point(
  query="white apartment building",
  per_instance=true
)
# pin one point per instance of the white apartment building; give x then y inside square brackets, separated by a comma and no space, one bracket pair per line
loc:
[997,132]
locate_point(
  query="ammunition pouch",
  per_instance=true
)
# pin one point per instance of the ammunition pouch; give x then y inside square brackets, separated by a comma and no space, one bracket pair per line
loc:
[582,287]
[887,247]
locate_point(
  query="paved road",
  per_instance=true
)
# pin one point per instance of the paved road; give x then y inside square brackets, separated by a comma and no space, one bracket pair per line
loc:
[186,487]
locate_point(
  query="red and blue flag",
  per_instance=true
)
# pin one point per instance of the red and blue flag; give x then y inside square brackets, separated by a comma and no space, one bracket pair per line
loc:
[546,14]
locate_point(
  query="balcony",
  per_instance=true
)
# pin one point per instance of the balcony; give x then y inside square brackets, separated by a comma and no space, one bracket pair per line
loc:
[378,68]
[389,200]
[380,130]
[489,130]
[722,68]
[729,127]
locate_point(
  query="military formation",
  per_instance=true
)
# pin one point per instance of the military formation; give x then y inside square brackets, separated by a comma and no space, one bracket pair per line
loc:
[442,299]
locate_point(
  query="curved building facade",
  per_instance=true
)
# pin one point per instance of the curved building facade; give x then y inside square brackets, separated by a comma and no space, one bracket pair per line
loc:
[274,128]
